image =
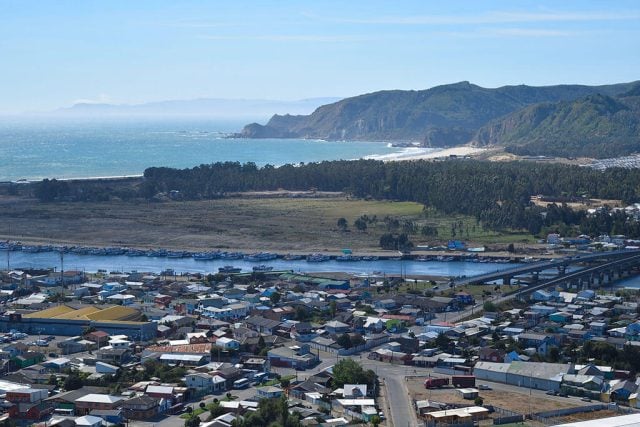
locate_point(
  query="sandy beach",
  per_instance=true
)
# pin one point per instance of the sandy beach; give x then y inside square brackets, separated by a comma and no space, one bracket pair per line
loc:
[420,153]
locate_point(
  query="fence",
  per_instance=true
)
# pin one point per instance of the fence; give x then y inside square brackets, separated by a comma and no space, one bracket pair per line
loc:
[506,416]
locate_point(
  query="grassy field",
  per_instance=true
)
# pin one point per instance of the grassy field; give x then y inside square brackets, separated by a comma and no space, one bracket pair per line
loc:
[277,224]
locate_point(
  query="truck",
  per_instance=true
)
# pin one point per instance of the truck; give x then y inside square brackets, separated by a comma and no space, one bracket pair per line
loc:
[435,382]
[463,381]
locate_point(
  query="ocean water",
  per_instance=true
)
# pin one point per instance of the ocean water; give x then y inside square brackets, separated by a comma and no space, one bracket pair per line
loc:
[34,149]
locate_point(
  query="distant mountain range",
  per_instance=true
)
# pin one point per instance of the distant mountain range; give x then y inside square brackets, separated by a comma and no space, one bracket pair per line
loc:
[566,120]
[206,107]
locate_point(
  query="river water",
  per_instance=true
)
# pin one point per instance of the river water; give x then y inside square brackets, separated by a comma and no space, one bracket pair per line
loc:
[93,263]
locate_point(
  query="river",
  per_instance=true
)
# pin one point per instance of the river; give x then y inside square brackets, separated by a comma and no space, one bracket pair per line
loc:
[93,263]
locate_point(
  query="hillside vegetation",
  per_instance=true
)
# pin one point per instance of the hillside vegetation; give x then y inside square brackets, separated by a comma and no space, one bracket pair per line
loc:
[593,126]
[566,120]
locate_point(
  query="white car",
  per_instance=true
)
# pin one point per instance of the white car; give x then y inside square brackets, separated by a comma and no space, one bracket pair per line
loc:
[483,387]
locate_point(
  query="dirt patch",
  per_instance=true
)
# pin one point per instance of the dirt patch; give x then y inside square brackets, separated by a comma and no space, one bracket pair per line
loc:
[513,400]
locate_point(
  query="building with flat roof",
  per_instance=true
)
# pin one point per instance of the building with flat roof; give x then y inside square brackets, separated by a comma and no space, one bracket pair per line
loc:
[69,321]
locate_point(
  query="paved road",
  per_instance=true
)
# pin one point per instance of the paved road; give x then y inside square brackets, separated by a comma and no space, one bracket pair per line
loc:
[400,403]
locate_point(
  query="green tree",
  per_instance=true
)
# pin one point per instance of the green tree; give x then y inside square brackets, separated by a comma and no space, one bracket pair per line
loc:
[343,224]
[275,298]
[442,342]
[348,371]
[344,340]
[73,381]
[360,224]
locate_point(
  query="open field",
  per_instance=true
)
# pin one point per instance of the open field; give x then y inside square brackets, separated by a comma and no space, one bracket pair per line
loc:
[276,224]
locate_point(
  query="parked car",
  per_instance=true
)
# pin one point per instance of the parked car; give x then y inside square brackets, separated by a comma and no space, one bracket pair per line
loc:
[552,393]
[483,387]
[586,399]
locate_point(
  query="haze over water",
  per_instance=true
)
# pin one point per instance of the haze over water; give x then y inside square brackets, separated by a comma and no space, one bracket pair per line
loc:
[36,149]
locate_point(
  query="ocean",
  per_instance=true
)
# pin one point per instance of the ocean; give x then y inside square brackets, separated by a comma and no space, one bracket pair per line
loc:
[34,149]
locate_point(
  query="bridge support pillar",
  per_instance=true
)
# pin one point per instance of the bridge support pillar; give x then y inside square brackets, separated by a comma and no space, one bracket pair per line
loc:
[535,277]
[506,280]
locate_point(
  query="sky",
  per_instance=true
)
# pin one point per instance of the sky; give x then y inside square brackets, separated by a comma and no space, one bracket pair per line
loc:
[56,53]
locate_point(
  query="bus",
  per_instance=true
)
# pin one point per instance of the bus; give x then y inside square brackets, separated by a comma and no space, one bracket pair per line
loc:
[242,383]
[260,377]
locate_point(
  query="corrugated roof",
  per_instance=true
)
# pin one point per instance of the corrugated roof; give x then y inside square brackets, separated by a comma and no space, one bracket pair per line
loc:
[115,313]
[50,312]
[78,314]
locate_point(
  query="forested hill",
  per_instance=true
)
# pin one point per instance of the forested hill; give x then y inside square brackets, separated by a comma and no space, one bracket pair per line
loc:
[440,116]
[593,126]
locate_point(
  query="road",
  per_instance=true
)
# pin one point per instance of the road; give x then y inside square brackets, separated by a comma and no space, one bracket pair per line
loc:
[393,376]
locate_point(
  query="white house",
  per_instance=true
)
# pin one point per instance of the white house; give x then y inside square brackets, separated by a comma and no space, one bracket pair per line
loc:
[228,343]
[205,382]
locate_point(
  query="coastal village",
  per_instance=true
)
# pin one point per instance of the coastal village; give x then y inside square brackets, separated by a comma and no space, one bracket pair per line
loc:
[109,348]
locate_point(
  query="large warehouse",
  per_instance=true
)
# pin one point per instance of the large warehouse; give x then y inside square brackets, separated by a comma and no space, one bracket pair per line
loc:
[66,320]
[540,376]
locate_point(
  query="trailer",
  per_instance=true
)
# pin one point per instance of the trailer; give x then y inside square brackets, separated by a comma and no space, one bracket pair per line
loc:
[463,381]
[435,382]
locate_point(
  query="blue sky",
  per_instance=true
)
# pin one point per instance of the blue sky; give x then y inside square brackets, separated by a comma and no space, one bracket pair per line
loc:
[54,53]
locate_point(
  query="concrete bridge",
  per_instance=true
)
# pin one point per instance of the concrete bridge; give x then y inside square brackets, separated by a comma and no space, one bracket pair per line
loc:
[589,277]
[535,268]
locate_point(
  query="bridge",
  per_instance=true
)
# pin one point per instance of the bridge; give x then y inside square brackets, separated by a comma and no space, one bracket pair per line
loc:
[536,267]
[612,269]
[588,277]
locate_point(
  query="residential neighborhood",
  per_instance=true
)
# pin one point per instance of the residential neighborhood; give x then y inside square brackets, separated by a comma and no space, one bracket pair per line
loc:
[214,348]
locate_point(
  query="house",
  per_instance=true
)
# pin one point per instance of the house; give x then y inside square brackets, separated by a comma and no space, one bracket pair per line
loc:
[162,392]
[270,392]
[141,407]
[105,368]
[111,416]
[538,341]
[116,356]
[28,359]
[197,337]
[355,391]
[205,383]
[561,317]
[98,337]
[302,331]
[88,421]
[297,357]
[335,327]
[386,304]
[227,343]
[488,354]
[57,364]
[464,298]
[623,390]
[262,325]
[89,402]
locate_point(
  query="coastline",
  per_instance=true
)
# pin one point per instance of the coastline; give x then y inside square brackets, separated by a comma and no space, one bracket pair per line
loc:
[420,153]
